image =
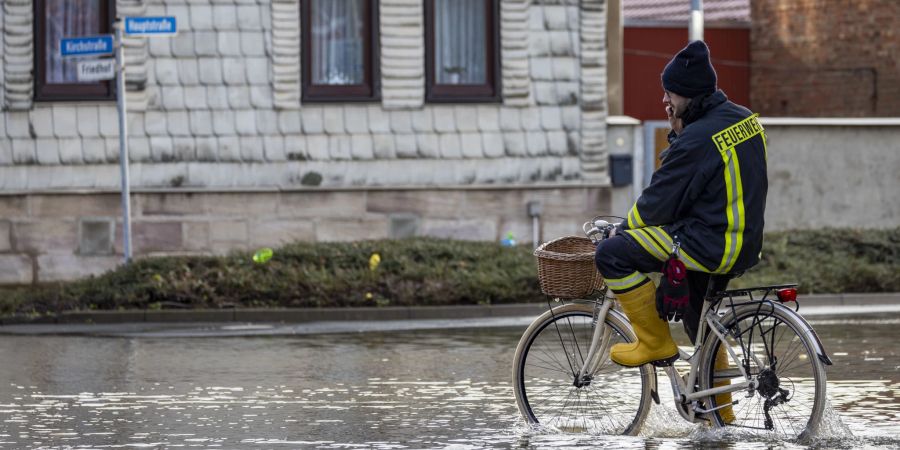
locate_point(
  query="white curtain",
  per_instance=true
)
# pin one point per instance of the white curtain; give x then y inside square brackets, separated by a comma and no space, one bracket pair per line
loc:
[459,41]
[64,19]
[338,42]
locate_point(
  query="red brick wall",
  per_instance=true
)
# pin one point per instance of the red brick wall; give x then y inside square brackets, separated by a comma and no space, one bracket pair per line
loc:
[825,58]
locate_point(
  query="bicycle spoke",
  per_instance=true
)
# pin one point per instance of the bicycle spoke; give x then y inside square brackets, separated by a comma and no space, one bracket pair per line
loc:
[563,345]
[791,360]
[575,339]
[558,362]
[554,360]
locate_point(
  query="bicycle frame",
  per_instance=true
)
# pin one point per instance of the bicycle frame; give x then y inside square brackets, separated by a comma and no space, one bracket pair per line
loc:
[684,393]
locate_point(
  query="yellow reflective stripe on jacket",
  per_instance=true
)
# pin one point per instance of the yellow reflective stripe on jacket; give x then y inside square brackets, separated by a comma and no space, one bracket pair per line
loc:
[667,241]
[737,133]
[634,218]
[659,244]
[653,248]
[621,284]
[691,263]
[734,211]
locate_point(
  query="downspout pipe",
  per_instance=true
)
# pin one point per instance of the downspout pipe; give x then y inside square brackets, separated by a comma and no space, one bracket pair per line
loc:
[695,27]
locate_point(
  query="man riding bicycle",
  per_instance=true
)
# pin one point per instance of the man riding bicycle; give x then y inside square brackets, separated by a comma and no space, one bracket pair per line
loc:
[704,207]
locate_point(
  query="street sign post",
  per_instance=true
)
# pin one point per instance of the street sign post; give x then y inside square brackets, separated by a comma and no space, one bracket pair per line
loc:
[107,69]
[150,26]
[87,46]
[96,70]
[123,143]
[132,26]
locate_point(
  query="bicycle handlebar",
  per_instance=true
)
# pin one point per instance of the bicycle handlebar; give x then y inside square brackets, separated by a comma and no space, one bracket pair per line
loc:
[598,229]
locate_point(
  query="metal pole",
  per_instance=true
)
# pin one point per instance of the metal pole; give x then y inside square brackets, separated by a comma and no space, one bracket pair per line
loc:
[123,141]
[696,24]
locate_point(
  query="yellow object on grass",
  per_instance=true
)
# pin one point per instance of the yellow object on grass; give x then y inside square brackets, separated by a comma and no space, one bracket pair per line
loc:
[263,255]
[374,261]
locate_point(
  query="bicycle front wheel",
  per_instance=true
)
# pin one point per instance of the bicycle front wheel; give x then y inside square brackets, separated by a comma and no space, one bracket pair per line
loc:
[775,346]
[548,387]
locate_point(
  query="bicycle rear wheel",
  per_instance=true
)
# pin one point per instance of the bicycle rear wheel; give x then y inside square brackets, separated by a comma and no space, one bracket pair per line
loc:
[612,400]
[775,345]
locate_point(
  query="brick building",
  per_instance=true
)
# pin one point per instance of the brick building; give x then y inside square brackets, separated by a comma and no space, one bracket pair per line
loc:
[265,121]
[826,58]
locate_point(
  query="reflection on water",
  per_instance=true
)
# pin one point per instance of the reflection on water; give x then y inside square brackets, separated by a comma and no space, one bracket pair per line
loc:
[382,390]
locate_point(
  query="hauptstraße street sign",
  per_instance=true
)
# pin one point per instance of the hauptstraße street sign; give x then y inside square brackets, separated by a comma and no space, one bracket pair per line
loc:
[150,26]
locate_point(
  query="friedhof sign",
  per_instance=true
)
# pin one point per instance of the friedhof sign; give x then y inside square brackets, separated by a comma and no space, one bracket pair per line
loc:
[96,70]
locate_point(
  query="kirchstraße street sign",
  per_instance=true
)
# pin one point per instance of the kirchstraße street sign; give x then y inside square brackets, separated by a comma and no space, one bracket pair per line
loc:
[87,46]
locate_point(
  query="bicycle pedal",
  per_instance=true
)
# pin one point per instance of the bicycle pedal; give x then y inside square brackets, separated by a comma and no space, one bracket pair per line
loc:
[666,362]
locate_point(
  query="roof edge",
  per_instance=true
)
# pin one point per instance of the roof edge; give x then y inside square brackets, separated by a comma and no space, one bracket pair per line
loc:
[718,24]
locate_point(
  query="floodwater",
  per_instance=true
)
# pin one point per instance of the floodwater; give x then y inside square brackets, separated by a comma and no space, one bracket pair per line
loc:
[403,389]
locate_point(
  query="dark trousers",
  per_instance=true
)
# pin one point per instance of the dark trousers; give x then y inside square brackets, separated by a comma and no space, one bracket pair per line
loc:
[619,257]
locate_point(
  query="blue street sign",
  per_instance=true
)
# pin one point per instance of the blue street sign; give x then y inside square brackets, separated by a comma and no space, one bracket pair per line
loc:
[150,26]
[87,46]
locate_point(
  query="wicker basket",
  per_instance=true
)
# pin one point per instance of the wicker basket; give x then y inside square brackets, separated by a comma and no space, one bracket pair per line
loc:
[566,267]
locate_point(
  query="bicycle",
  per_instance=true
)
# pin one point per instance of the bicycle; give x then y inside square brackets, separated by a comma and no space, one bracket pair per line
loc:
[564,380]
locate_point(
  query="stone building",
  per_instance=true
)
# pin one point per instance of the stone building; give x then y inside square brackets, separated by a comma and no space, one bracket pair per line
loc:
[267,121]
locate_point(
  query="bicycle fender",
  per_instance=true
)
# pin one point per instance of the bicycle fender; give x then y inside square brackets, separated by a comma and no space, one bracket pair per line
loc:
[811,332]
[654,392]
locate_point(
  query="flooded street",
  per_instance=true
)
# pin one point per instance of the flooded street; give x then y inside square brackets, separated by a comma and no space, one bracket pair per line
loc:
[402,389]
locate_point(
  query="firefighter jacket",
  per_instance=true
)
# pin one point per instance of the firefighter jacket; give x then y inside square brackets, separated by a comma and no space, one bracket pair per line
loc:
[710,192]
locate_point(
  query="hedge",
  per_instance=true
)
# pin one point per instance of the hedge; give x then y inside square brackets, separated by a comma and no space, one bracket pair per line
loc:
[425,271]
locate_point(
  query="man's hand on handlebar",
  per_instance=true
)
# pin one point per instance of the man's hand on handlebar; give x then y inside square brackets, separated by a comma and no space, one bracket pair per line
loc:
[599,229]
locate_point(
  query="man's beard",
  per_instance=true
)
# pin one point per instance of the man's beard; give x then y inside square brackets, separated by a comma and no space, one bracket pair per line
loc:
[678,110]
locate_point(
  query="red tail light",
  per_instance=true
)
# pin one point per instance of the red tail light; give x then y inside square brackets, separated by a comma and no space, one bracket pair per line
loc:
[787,295]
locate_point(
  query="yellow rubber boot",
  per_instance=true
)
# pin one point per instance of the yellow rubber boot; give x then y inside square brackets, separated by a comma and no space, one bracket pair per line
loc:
[721,363]
[654,342]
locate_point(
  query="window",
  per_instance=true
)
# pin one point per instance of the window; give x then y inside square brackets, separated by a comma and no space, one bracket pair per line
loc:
[340,50]
[55,77]
[461,57]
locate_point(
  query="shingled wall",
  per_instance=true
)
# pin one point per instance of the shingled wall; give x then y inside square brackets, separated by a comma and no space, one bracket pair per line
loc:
[217,128]
[218,106]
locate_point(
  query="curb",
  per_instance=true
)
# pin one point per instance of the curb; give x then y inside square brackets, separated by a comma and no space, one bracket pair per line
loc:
[303,315]
[285,315]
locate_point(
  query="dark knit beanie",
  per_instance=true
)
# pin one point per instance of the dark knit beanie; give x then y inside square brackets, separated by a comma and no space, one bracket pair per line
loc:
[690,73]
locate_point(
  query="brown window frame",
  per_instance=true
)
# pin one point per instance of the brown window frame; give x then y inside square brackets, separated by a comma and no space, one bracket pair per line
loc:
[489,92]
[49,92]
[370,90]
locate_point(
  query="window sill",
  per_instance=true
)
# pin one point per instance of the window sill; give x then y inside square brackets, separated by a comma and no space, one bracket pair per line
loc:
[339,99]
[73,98]
[463,99]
